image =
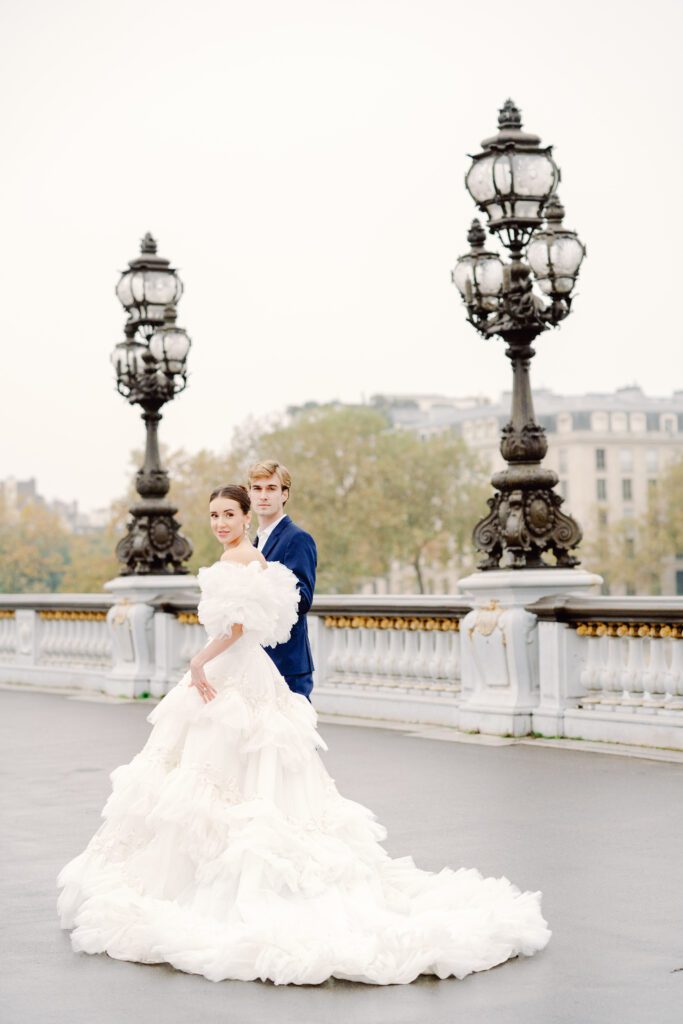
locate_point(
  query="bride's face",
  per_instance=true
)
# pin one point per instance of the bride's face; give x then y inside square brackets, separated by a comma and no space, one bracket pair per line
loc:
[228,521]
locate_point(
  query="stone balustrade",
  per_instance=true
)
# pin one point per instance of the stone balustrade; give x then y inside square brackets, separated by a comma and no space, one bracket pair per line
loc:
[602,668]
[393,657]
[611,669]
[59,640]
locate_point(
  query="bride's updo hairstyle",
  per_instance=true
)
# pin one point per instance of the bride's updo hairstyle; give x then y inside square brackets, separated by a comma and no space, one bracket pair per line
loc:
[237,493]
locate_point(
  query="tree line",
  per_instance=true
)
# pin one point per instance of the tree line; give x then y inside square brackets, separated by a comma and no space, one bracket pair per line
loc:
[372,496]
[369,494]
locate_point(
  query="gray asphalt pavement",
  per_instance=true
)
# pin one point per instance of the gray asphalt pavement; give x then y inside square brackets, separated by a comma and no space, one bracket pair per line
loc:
[601,836]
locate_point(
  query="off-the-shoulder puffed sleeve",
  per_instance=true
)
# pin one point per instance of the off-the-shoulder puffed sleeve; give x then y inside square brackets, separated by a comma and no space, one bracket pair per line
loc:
[263,600]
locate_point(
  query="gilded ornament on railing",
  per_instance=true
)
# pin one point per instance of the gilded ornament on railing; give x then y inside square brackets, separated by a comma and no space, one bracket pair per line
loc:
[441,623]
[63,615]
[652,630]
[7,613]
[188,618]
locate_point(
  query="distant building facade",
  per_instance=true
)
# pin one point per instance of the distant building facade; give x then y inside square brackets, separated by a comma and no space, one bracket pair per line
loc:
[608,449]
[15,494]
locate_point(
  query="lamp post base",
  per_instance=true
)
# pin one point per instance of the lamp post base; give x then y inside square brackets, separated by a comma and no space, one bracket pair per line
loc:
[524,521]
[153,544]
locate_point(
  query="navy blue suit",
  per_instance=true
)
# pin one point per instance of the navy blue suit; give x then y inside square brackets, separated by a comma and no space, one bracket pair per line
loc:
[296,549]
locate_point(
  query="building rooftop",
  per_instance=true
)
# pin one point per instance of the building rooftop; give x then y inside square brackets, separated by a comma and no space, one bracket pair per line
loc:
[440,410]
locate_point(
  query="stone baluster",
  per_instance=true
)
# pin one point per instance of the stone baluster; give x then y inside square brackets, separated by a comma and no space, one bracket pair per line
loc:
[104,647]
[590,672]
[610,673]
[676,693]
[355,651]
[8,636]
[96,647]
[345,656]
[366,654]
[336,651]
[633,670]
[436,660]
[655,676]
[452,647]
[82,638]
[410,667]
[666,675]
[79,637]
[379,662]
[395,653]
[92,640]
[61,647]
[44,638]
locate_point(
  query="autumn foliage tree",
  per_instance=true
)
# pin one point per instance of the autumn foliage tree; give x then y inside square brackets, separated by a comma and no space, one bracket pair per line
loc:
[632,554]
[371,496]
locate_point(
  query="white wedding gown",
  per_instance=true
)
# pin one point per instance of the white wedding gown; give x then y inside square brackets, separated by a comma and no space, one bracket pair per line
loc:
[227,851]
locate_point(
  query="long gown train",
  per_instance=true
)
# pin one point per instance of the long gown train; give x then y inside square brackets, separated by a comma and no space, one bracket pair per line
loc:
[227,851]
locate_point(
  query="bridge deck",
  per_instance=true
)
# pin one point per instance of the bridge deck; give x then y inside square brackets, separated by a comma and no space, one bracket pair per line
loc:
[601,836]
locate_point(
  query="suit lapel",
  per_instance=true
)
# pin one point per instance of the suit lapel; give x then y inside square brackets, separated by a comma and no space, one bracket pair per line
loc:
[272,540]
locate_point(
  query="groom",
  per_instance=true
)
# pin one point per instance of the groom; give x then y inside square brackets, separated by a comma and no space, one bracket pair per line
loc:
[280,540]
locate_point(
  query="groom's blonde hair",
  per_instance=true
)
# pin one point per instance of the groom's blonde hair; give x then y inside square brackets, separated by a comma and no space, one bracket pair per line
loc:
[261,470]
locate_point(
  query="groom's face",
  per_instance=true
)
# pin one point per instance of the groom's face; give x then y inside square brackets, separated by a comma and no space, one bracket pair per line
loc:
[268,498]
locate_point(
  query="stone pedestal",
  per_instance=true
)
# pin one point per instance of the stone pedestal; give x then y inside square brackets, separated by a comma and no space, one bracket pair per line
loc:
[131,625]
[500,645]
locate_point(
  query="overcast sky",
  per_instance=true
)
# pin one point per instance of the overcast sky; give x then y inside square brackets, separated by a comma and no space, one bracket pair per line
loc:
[302,164]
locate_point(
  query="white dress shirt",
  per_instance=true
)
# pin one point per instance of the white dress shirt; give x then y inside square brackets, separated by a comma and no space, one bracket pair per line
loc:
[263,534]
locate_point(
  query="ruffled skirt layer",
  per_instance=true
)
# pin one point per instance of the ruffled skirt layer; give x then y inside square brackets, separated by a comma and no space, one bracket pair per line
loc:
[227,851]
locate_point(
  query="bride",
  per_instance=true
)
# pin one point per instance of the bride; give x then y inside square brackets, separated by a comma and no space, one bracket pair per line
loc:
[226,849]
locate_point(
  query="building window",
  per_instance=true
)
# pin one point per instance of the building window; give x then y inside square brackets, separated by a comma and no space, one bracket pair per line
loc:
[630,590]
[626,460]
[651,487]
[669,424]
[652,460]
[602,517]
[600,460]
[627,489]
[652,420]
[562,456]
[630,547]
[582,421]
[602,489]
[600,422]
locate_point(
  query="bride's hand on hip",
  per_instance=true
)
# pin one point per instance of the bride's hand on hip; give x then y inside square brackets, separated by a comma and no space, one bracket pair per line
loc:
[199,680]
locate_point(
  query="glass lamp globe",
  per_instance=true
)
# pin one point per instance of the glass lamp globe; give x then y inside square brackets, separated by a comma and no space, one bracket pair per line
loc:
[127,360]
[478,276]
[511,179]
[170,344]
[556,253]
[148,286]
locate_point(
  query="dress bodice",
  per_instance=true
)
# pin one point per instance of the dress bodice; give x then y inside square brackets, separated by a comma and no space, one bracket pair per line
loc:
[264,600]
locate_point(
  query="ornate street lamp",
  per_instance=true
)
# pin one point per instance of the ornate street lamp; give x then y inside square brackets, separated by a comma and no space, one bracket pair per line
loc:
[150,367]
[513,182]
